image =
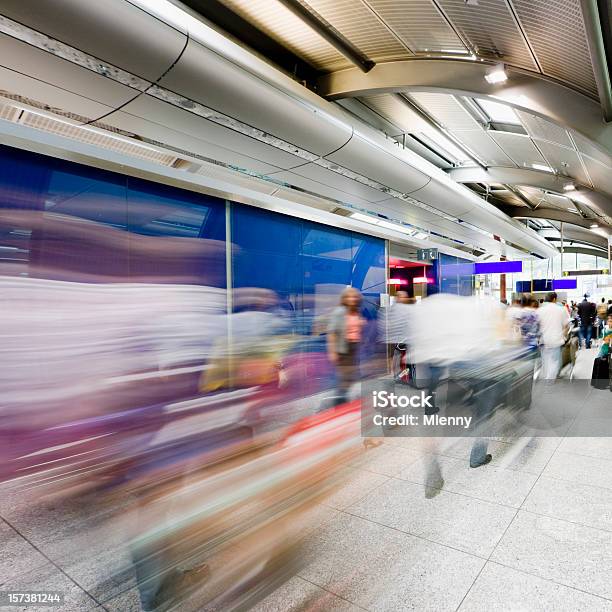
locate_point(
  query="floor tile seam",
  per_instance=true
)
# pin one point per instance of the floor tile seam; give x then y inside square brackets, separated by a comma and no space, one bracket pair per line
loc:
[511,469]
[60,569]
[415,535]
[327,590]
[380,484]
[577,482]
[480,499]
[503,535]
[546,579]
[556,518]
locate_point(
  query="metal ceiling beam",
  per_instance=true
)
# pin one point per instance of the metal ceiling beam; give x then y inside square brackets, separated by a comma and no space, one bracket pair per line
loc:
[534,178]
[595,31]
[342,46]
[586,251]
[524,90]
[423,114]
[244,31]
[550,214]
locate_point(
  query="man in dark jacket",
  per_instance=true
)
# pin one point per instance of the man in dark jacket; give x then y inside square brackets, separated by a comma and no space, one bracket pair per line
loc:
[587,311]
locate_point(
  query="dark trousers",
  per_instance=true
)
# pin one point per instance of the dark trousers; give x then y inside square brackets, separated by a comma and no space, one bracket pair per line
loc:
[586,332]
[348,368]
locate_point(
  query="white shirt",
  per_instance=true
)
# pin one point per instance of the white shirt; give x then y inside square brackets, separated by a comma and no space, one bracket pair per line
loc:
[553,319]
[447,328]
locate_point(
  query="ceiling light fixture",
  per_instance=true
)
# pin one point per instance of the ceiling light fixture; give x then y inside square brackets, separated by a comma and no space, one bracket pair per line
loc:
[542,167]
[496,75]
[569,187]
[594,225]
[387,224]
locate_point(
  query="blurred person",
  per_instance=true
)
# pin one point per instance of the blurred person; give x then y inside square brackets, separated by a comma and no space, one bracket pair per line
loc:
[466,340]
[604,349]
[609,312]
[602,315]
[587,311]
[344,335]
[530,323]
[554,323]
[513,316]
[567,308]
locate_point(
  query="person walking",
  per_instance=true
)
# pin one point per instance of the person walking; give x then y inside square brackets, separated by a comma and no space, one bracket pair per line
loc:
[587,311]
[344,334]
[602,315]
[553,326]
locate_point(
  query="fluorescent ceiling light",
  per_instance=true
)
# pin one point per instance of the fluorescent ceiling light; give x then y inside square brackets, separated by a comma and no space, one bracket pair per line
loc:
[442,144]
[542,167]
[365,218]
[496,75]
[396,227]
[382,223]
[420,235]
[498,112]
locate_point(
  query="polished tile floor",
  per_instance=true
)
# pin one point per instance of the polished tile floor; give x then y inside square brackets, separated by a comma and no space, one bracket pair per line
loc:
[530,531]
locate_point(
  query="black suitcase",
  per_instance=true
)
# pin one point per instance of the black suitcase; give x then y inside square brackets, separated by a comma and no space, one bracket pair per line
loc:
[601,373]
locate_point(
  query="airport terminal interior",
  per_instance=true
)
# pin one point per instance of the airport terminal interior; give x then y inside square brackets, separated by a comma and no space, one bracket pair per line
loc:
[306,305]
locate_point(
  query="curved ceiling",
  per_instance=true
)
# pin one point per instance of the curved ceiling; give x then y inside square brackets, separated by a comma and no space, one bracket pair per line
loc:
[194,98]
[425,86]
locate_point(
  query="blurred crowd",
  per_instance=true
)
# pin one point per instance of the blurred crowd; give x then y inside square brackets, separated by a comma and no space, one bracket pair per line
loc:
[220,415]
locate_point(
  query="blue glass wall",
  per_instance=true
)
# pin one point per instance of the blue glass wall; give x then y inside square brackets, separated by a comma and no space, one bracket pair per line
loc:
[65,221]
[305,266]
[455,275]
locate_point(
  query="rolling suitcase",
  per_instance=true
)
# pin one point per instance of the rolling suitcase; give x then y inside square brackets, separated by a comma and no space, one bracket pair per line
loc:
[601,373]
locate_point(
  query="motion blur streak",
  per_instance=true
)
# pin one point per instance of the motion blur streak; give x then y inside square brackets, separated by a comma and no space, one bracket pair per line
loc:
[136,399]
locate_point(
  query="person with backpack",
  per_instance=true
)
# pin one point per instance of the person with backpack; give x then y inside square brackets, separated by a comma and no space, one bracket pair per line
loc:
[587,311]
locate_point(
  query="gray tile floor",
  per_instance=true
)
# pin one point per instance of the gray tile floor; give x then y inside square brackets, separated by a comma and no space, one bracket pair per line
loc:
[530,531]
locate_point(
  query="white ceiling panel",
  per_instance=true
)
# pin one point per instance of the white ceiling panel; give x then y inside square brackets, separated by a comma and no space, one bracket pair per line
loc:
[544,130]
[555,30]
[519,148]
[565,162]
[492,30]
[586,147]
[419,24]
[600,174]
[357,24]
[479,142]
[446,110]
[397,112]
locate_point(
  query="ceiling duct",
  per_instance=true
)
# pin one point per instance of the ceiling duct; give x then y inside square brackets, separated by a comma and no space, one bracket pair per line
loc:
[197,91]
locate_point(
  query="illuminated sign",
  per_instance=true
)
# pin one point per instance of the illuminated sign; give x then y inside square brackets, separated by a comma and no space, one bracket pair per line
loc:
[497,267]
[565,283]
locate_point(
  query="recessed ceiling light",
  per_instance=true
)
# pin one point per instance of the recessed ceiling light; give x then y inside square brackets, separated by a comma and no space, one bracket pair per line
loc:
[420,236]
[594,225]
[497,75]
[569,187]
